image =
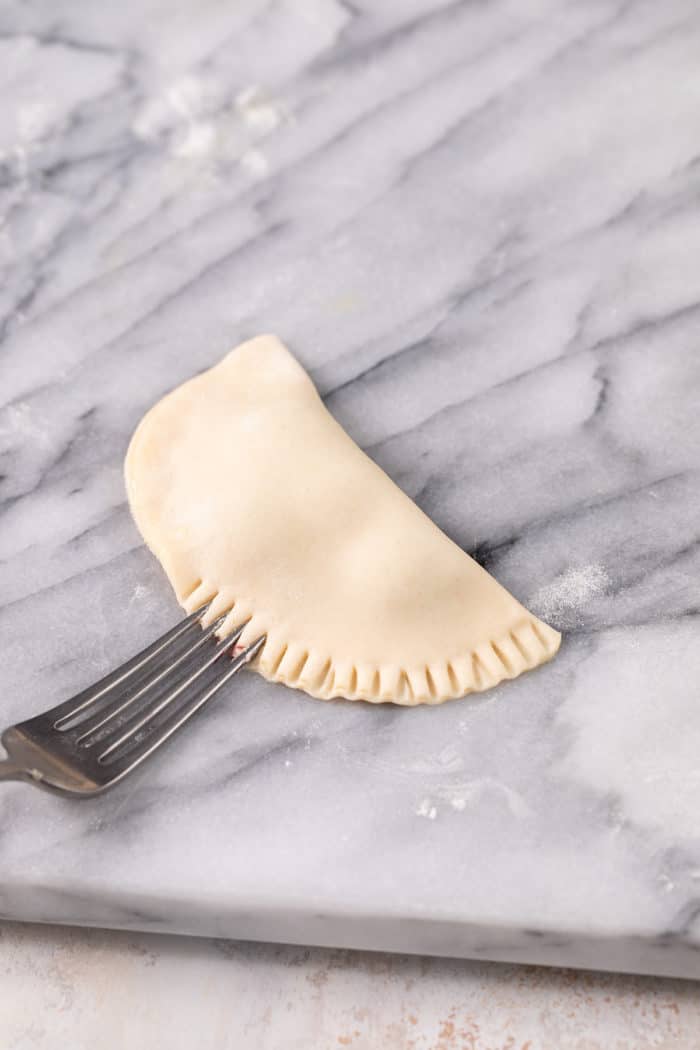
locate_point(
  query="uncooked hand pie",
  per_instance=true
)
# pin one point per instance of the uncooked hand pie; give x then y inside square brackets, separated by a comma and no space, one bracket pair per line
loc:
[250,494]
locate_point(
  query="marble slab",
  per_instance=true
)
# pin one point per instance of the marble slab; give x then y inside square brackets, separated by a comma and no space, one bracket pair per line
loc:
[477,226]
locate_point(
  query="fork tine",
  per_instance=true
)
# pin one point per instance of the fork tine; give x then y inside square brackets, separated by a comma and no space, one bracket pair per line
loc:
[124,764]
[106,715]
[139,722]
[69,708]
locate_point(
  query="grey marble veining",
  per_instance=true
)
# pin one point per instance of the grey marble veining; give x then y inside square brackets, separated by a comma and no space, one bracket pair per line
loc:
[477,226]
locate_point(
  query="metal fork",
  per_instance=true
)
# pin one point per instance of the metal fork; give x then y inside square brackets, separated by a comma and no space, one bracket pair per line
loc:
[88,743]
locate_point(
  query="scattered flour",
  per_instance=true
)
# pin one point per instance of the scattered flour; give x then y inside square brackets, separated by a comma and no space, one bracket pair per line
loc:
[260,112]
[197,140]
[192,124]
[665,882]
[139,593]
[448,760]
[187,96]
[561,601]
[178,115]
[472,793]
[20,421]
[426,809]
[34,120]
[255,163]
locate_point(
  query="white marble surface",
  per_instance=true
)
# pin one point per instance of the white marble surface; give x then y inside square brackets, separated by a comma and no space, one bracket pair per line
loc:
[64,987]
[477,226]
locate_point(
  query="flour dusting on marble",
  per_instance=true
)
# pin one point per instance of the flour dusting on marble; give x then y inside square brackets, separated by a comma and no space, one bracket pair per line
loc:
[191,120]
[561,601]
[34,119]
[259,110]
[459,796]
[633,728]
[255,163]
[178,114]
[426,809]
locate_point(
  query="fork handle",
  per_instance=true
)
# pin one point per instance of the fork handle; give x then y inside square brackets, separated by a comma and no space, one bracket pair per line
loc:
[9,771]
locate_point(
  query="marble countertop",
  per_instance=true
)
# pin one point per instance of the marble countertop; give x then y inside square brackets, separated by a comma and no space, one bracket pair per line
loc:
[476,226]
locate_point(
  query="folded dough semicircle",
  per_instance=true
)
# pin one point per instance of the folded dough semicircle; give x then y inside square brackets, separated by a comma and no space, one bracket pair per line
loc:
[248,492]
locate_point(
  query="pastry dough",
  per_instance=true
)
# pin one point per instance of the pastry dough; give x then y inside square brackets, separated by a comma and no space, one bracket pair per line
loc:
[250,494]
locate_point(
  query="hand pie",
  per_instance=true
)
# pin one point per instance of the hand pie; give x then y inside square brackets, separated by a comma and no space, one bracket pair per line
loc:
[250,494]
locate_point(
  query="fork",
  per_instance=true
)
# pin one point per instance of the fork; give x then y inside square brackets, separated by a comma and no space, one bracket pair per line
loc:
[88,743]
